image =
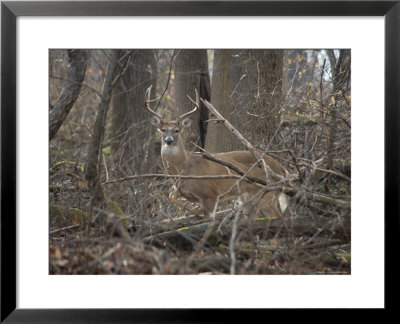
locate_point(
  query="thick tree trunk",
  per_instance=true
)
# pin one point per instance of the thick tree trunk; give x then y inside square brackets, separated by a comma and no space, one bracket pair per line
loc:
[72,88]
[263,108]
[246,88]
[191,72]
[226,82]
[132,138]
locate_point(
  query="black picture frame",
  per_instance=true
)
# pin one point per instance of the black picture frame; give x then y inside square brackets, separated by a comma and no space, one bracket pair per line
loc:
[11,10]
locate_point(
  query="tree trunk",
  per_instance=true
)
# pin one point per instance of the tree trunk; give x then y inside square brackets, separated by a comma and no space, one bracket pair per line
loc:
[75,77]
[340,70]
[132,138]
[94,156]
[226,82]
[265,85]
[191,72]
[92,170]
[246,88]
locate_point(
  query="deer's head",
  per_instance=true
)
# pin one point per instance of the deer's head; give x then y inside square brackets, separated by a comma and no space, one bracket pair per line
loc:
[170,130]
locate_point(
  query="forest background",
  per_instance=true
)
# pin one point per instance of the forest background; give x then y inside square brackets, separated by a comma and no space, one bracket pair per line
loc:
[294,104]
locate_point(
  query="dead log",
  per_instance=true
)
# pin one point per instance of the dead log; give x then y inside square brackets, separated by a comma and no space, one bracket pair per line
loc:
[265,228]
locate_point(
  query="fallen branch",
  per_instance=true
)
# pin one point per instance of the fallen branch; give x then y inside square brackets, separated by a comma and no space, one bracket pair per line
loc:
[160,175]
[187,237]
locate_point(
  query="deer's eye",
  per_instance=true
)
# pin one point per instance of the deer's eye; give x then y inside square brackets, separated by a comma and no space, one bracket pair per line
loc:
[163,130]
[176,131]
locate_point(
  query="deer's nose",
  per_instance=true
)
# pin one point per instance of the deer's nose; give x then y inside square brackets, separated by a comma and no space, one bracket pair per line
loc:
[169,140]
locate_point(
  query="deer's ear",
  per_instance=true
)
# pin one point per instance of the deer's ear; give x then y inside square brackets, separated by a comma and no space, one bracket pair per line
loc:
[187,122]
[155,121]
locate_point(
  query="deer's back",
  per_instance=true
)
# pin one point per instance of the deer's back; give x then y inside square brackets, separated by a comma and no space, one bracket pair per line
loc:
[199,166]
[245,160]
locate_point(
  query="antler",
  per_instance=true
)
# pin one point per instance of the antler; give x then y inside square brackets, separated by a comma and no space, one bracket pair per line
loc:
[147,103]
[196,104]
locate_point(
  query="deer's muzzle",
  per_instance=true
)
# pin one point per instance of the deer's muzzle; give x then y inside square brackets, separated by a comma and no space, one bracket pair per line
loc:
[169,140]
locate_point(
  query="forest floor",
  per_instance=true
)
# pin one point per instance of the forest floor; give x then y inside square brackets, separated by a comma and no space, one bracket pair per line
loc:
[163,238]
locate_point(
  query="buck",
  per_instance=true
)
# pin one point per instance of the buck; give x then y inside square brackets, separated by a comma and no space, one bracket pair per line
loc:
[209,191]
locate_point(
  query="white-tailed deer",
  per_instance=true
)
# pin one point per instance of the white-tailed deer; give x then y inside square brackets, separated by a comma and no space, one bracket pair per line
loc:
[208,192]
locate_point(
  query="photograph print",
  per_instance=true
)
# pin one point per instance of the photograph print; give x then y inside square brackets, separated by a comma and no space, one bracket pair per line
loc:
[200,161]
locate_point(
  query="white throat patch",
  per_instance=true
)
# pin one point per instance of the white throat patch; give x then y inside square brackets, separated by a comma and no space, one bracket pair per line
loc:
[169,149]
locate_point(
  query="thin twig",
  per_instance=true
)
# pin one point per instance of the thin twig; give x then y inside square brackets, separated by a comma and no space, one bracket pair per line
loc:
[64,228]
[124,68]
[169,77]
[77,83]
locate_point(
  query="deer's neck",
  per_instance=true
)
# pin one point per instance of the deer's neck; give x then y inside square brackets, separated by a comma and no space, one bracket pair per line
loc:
[173,157]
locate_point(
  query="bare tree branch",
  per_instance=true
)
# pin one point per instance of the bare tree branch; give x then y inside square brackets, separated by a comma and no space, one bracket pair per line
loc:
[63,105]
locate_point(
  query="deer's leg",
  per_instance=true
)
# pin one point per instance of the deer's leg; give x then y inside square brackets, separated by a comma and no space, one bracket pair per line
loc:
[174,198]
[250,204]
[209,206]
[273,204]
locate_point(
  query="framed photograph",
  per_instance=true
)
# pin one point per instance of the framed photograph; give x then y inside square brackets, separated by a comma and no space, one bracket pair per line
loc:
[197,156]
